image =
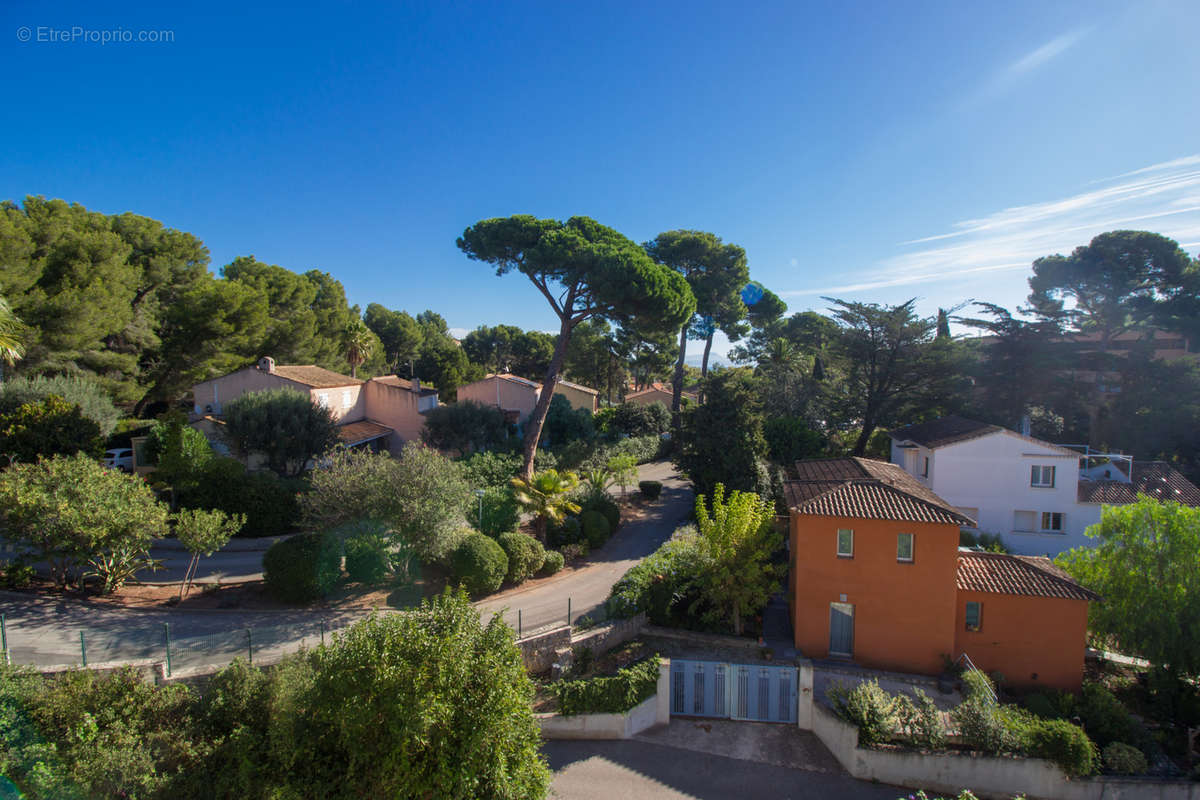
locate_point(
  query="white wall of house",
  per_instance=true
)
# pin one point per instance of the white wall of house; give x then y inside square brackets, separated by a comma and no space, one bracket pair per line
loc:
[989,480]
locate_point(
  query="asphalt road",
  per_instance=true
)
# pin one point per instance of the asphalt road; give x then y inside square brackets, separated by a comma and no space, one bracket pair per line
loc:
[592,770]
[46,631]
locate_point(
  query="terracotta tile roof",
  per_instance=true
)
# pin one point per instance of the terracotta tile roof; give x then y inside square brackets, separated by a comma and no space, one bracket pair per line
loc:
[404,383]
[578,386]
[1033,576]
[865,489]
[315,377]
[358,432]
[1158,479]
[944,431]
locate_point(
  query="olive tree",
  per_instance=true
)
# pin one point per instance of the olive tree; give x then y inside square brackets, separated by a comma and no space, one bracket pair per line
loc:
[284,426]
[584,270]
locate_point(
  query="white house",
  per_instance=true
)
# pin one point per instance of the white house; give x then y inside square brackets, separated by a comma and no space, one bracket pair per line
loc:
[1034,494]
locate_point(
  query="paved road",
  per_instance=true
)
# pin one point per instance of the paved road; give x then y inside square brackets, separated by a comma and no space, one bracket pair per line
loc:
[643,771]
[545,603]
[46,630]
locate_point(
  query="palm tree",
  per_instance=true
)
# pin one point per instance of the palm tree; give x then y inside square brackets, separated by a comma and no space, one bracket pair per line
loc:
[358,345]
[545,495]
[11,348]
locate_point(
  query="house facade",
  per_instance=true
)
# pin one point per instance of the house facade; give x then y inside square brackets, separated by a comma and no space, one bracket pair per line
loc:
[382,413]
[876,577]
[516,396]
[1035,495]
[659,393]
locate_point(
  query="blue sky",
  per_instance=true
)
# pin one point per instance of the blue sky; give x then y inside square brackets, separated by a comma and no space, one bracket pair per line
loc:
[876,151]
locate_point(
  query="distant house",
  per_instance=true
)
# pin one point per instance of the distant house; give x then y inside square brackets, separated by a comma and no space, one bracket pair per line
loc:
[876,577]
[381,413]
[660,393]
[1039,497]
[517,396]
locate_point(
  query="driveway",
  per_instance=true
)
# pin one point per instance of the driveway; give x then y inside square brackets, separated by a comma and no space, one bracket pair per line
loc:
[46,631]
[586,770]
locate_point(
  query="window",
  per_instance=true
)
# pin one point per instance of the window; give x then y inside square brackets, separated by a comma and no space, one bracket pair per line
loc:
[1052,521]
[1024,520]
[925,468]
[845,543]
[904,547]
[347,399]
[323,400]
[974,616]
[1041,477]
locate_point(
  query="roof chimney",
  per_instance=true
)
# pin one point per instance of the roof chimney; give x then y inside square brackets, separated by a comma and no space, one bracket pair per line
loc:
[416,384]
[1026,424]
[266,364]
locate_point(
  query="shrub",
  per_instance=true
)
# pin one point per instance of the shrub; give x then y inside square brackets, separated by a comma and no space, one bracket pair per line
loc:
[659,585]
[596,529]
[608,695]
[643,448]
[464,427]
[650,489]
[920,722]
[635,420]
[368,555]
[303,567]
[488,470]
[93,401]
[991,542]
[977,685]
[982,725]
[565,424]
[269,503]
[1124,759]
[553,563]
[574,552]
[1104,716]
[867,707]
[525,555]
[500,512]
[17,574]
[602,502]
[569,531]
[48,427]
[1061,742]
[479,564]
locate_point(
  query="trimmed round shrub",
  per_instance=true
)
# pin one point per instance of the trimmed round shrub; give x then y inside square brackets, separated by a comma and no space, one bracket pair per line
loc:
[567,532]
[867,707]
[302,568]
[479,564]
[596,529]
[602,502]
[525,555]
[1105,717]
[650,489]
[1124,759]
[1063,743]
[368,558]
[553,563]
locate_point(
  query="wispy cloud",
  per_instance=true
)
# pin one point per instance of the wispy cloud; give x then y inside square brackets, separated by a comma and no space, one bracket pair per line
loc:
[1163,197]
[1008,75]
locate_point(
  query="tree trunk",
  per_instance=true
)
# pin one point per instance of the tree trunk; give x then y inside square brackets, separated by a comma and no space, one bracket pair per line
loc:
[864,438]
[533,426]
[707,350]
[677,380]
[354,371]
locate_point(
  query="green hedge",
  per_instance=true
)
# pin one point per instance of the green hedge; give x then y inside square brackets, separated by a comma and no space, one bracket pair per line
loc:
[302,568]
[650,489]
[525,555]
[479,564]
[608,695]
[596,529]
[553,563]
[602,502]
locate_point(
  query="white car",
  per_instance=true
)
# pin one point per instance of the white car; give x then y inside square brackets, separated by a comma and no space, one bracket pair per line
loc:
[119,458]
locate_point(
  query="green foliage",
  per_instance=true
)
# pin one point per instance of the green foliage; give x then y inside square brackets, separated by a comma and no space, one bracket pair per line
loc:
[867,707]
[48,427]
[919,722]
[982,725]
[283,426]
[567,532]
[368,551]
[16,574]
[179,452]
[623,469]
[790,439]
[1059,741]
[206,532]
[565,424]
[1106,718]
[614,694]
[1123,759]
[269,503]
[398,332]
[490,470]
[500,511]
[637,420]
[605,504]
[978,686]
[94,403]
[465,427]
[547,496]
[736,541]
[421,495]
[642,448]
[479,564]
[72,512]
[650,489]
[721,441]
[553,563]
[1143,567]
[596,529]
[991,542]
[506,348]
[302,568]
[526,555]
[661,585]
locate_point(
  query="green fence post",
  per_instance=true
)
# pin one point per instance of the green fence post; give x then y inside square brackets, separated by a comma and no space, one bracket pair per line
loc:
[82,649]
[568,612]
[322,633]
[4,635]
[250,646]
[518,623]
[167,634]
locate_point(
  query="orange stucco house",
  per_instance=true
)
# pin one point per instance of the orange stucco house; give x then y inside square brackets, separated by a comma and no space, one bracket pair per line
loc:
[877,577]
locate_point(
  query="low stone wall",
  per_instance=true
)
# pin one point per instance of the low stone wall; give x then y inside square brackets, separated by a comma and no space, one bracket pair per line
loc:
[540,650]
[991,777]
[605,637]
[700,640]
[654,710]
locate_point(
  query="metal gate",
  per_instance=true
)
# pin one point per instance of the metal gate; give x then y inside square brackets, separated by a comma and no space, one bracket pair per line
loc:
[733,691]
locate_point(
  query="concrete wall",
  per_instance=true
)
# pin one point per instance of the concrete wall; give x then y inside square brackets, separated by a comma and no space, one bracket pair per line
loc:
[1034,641]
[503,394]
[992,778]
[397,408]
[903,611]
[653,711]
[579,399]
[347,403]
